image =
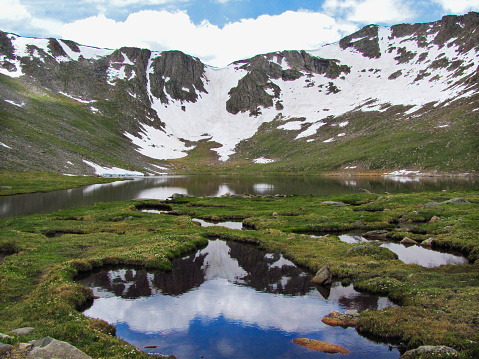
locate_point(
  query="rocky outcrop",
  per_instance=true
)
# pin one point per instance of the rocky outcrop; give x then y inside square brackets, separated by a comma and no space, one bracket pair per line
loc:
[430,351]
[320,346]
[365,41]
[178,75]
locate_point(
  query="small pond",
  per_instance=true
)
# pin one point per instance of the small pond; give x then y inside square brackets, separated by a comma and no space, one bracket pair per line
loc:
[229,300]
[413,254]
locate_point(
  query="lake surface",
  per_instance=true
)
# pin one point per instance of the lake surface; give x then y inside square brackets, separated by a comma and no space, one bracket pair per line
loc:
[164,186]
[229,300]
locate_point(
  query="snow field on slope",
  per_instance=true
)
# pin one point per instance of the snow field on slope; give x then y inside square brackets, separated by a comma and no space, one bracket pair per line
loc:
[205,119]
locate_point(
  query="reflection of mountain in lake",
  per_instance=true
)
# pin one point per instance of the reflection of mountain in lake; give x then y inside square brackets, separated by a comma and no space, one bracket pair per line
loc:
[237,263]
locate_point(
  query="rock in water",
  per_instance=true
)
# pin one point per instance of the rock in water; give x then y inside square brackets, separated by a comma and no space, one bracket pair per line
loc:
[337,319]
[323,276]
[408,241]
[320,346]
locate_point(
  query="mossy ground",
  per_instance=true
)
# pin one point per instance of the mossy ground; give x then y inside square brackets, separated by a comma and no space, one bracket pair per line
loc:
[438,305]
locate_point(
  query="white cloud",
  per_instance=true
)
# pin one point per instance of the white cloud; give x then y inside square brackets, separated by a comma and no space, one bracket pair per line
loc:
[370,11]
[458,6]
[12,13]
[163,30]
[125,3]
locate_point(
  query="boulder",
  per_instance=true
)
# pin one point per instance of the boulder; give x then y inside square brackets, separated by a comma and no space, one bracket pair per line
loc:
[434,219]
[49,348]
[428,242]
[381,234]
[333,203]
[323,276]
[22,331]
[320,346]
[431,204]
[346,319]
[5,348]
[436,351]
[408,241]
[4,336]
[457,201]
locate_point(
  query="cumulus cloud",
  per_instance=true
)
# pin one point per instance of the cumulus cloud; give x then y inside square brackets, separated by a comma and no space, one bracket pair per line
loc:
[458,6]
[12,13]
[163,30]
[370,11]
[125,3]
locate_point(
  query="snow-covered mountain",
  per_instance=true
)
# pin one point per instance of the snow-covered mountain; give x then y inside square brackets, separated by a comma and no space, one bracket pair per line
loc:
[381,98]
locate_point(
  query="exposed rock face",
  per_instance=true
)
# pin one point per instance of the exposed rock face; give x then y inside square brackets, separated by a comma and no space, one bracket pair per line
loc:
[408,241]
[320,346]
[365,41]
[256,89]
[178,75]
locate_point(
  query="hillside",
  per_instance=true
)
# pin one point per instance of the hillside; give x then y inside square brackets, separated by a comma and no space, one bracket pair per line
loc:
[381,99]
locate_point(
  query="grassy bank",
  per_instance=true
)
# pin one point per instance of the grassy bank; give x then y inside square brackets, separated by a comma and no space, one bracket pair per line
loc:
[29,182]
[438,305]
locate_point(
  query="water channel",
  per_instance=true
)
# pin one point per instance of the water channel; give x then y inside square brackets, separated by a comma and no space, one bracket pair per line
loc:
[229,300]
[164,186]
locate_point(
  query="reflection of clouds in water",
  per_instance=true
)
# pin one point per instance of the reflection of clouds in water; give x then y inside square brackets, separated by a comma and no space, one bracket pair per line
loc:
[263,187]
[223,189]
[412,254]
[402,179]
[160,192]
[219,264]
[422,256]
[215,298]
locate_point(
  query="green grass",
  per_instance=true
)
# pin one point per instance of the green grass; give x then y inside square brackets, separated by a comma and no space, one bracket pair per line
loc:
[29,182]
[438,306]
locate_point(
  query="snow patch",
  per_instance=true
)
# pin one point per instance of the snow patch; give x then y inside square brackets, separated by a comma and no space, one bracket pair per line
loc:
[15,103]
[350,167]
[329,140]
[94,109]
[112,172]
[311,130]
[4,145]
[403,173]
[263,160]
[76,98]
[442,126]
[291,126]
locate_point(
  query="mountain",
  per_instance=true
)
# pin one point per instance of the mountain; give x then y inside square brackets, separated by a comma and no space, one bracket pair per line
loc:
[381,99]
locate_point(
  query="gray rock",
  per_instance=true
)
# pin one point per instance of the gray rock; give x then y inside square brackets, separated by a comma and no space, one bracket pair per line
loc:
[457,201]
[428,242]
[364,190]
[380,234]
[4,336]
[323,276]
[407,240]
[431,204]
[5,348]
[333,203]
[434,219]
[439,351]
[49,348]
[22,331]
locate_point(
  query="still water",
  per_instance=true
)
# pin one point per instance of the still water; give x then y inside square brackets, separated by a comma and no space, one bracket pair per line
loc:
[412,254]
[164,186]
[229,300]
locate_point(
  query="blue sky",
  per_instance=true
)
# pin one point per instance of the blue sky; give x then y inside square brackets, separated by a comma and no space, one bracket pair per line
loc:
[216,31]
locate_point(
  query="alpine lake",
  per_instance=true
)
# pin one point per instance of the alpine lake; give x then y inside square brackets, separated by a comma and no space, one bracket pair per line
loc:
[234,298]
